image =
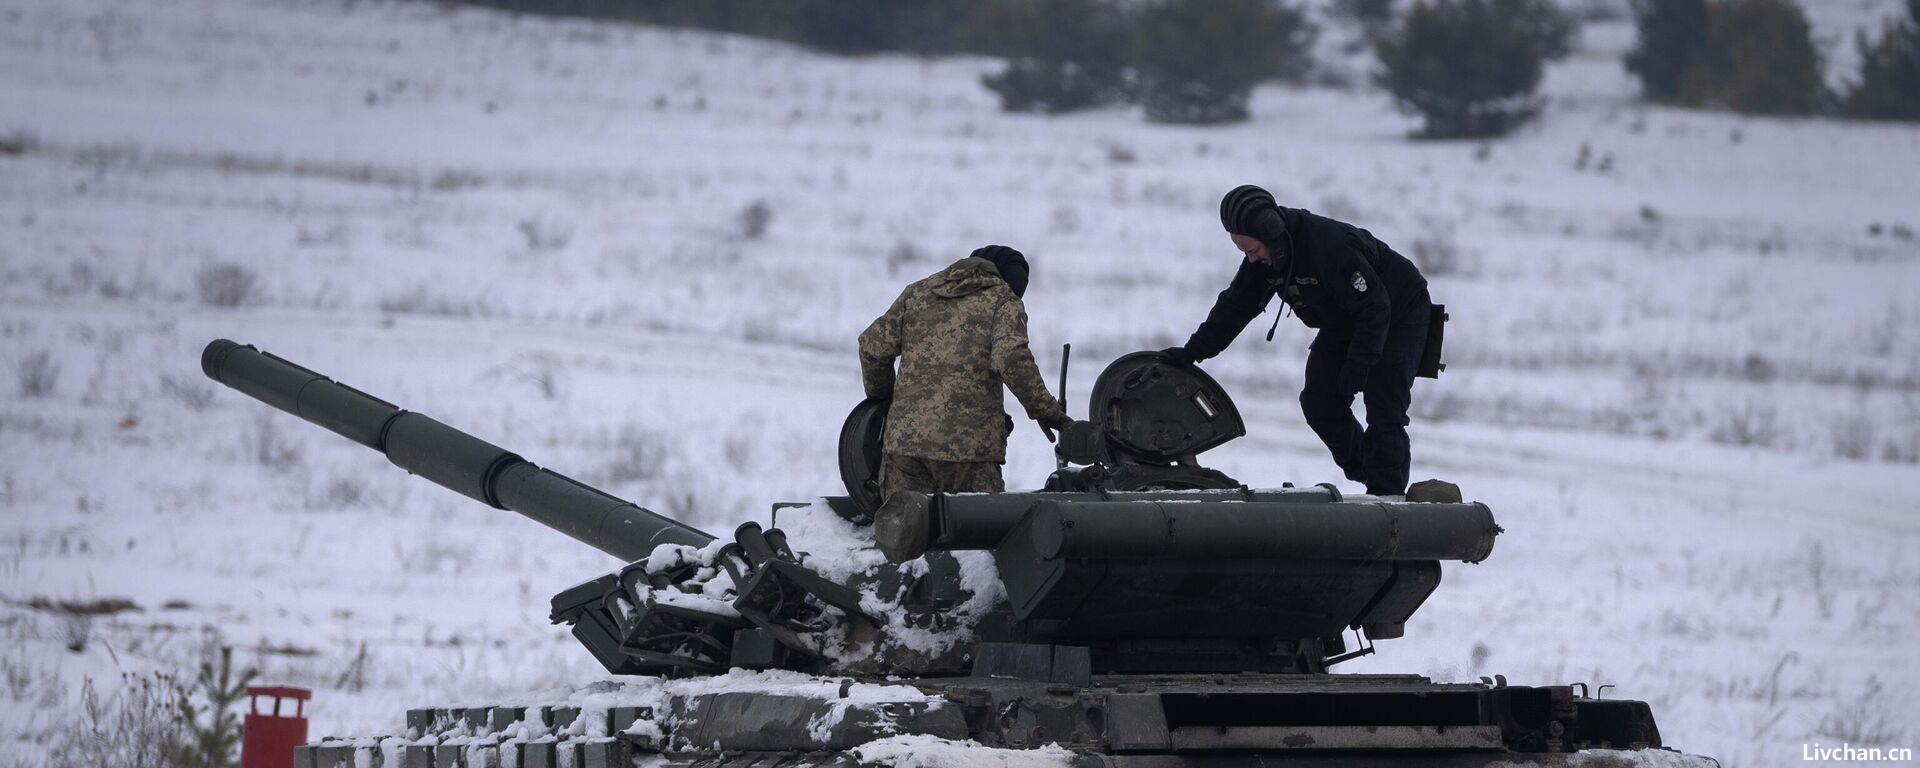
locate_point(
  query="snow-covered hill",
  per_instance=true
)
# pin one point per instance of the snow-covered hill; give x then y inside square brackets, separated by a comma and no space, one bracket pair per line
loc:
[1684,362]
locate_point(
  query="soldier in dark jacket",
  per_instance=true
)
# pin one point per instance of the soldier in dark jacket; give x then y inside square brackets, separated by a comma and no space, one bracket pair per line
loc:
[1370,306]
[960,336]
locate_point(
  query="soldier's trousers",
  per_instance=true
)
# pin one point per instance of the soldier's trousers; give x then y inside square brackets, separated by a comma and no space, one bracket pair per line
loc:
[1377,455]
[900,525]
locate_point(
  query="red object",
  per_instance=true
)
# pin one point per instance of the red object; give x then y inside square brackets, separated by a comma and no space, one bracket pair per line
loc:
[269,738]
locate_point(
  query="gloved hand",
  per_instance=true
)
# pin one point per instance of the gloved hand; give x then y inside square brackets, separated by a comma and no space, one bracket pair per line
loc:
[1180,355]
[1353,378]
[1052,424]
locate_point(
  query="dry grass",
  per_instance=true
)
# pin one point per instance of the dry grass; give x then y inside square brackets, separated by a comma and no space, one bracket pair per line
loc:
[140,726]
[37,374]
[225,284]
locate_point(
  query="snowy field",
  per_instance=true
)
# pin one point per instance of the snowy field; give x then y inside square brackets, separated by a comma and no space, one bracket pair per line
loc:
[1684,356]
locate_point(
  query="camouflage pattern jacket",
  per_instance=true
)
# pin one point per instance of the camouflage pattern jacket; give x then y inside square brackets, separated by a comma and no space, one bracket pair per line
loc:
[958,335]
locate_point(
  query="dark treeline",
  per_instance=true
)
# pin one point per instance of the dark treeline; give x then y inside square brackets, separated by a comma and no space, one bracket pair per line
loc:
[1183,61]
[1469,68]
[1759,57]
[933,27]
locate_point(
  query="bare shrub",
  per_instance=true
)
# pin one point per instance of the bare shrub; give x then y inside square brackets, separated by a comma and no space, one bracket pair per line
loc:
[18,142]
[354,677]
[1902,452]
[1342,206]
[540,372]
[1121,154]
[430,553]
[224,284]
[113,33]
[265,445]
[682,502]
[1820,577]
[1904,447]
[38,374]
[762,329]
[639,455]
[1441,407]
[138,727]
[16,678]
[1863,720]
[76,630]
[335,234]
[453,180]
[545,235]
[340,492]
[1065,220]
[755,218]
[1853,436]
[904,254]
[1436,253]
[1748,425]
[741,451]
[421,301]
[1758,368]
[194,394]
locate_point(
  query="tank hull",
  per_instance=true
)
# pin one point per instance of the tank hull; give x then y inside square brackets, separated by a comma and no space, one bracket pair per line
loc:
[1142,721]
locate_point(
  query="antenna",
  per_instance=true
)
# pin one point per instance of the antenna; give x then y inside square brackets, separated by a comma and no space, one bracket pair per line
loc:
[1066,354]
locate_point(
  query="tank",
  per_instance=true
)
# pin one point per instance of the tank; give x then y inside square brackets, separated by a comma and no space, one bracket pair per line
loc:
[1137,609]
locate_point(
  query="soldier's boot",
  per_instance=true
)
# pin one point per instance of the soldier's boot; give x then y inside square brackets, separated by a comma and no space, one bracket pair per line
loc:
[1435,491]
[900,526]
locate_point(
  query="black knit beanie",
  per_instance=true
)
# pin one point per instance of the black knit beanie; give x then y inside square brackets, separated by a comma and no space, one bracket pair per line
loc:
[1249,210]
[1011,263]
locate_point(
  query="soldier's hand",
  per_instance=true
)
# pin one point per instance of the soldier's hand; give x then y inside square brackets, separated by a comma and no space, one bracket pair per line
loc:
[1051,426]
[1179,355]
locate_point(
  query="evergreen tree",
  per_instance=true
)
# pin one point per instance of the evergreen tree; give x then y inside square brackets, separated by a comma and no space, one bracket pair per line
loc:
[1064,55]
[215,728]
[1200,59]
[1368,12]
[1470,68]
[1760,59]
[1673,35]
[1889,85]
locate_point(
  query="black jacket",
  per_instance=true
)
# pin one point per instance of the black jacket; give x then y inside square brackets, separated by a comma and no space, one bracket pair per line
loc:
[1341,278]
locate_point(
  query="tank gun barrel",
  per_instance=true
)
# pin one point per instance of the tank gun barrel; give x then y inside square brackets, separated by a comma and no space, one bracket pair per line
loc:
[448,457]
[1297,523]
[1256,529]
[981,521]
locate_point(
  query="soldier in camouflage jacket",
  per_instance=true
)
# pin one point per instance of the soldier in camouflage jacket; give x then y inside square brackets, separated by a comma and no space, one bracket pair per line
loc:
[959,336]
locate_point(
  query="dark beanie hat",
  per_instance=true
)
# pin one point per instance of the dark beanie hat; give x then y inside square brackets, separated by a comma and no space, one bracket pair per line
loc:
[1011,263]
[1249,210]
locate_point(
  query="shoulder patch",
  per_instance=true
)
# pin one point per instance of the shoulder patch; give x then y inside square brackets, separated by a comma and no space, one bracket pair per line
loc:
[1359,283]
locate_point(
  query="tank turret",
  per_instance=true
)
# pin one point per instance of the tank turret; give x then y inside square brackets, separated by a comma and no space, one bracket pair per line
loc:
[1138,608]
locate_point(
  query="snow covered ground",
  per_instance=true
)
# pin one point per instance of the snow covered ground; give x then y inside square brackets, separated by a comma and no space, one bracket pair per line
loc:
[1685,349]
